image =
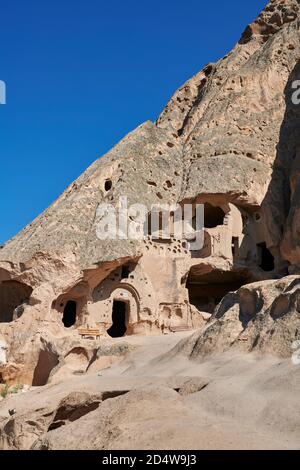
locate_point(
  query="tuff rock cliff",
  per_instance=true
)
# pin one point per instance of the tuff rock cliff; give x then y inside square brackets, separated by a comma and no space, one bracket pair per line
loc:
[228,138]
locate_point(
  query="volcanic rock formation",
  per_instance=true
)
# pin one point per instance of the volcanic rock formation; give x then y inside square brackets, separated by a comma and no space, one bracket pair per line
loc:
[227,139]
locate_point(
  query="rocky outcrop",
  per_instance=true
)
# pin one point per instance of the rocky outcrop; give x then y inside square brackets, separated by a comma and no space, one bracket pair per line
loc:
[282,198]
[263,317]
[22,432]
[67,228]
[227,139]
[227,401]
[228,116]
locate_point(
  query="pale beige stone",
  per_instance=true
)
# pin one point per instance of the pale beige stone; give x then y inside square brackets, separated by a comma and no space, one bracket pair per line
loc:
[228,139]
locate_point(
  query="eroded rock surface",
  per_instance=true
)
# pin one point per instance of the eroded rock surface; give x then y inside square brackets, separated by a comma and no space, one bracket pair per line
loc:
[227,139]
[228,401]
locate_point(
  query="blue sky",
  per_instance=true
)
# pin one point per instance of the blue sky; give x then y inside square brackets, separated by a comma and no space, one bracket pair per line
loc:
[81,74]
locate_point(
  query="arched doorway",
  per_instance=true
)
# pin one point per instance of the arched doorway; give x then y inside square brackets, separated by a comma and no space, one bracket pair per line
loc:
[119,319]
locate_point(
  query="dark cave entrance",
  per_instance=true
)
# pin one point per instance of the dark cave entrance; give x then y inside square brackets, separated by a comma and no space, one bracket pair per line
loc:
[207,290]
[13,298]
[119,319]
[108,185]
[125,272]
[70,313]
[266,259]
[213,216]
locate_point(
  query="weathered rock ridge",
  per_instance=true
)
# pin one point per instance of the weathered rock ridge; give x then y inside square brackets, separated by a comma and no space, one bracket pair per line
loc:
[228,139]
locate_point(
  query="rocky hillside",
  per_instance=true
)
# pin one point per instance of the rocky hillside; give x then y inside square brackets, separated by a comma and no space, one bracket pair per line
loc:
[235,115]
[231,133]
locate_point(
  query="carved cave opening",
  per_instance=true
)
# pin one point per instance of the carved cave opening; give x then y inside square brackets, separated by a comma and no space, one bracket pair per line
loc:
[265,258]
[108,185]
[70,314]
[14,296]
[119,319]
[213,216]
[207,290]
[126,270]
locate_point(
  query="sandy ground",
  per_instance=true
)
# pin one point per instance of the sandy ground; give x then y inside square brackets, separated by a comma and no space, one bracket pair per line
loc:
[249,403]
